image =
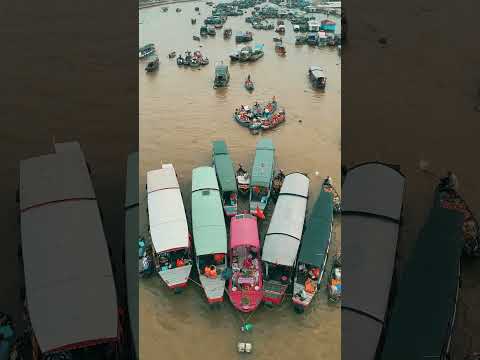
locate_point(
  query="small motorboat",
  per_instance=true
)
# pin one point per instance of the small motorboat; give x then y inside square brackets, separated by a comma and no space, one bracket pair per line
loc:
[196,38]
[172,54]
[197,8]
[218,26]
[165,9]
[335,281]
[211,31]
[146,51]
[153,65]
[179,60]
[178,10]
[194,21]
[222,76]
[249,85]
[243,180]
[235,55]
[275,39]
[227,33]
[280,48]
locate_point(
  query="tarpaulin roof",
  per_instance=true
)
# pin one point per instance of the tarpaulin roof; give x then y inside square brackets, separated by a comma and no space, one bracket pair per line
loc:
[316,238]
[424,308]
[209,231]
[371,209]
[244,231]
[224,167]
[286,226]
[68,276]
[166,213]
[131,244]
[263,165]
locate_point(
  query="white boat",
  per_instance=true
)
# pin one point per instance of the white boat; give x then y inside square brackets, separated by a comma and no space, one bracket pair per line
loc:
[168,227]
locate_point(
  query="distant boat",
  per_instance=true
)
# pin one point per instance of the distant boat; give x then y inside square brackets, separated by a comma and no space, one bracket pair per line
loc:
[168,227]
[165,9]
[280,48]
[257,52]
[178,10]
[235,55]
[244,37]
[249,85]
[284,236]
[317,77]
[227,33]
[313,253]
[245,53]
[209,232]
[203,30]
[226,177]
[153,65]
[146,50]
[196,38]
[172,54]
[222,76]
[193,21]
[245,287]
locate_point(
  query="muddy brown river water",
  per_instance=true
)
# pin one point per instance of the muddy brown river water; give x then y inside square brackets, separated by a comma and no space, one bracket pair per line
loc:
[180,115]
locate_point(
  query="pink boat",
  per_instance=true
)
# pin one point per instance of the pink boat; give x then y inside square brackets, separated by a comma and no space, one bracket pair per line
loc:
[245,287]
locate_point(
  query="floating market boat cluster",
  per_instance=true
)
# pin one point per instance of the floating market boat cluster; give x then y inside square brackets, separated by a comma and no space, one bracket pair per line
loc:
[237,263]
[260,117]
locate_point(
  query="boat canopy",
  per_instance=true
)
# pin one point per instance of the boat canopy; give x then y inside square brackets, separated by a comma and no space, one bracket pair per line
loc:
[244,231]
[131,244]
[263,165]
[430,303]
[371,210]
[209,231]
[317,72]
[224,167]
[316,238]
[166,213]
[286,226]
[221,69]
[68,275]
[258,47]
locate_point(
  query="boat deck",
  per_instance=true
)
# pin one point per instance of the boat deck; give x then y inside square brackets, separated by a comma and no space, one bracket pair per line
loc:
[176,276]
[214,288]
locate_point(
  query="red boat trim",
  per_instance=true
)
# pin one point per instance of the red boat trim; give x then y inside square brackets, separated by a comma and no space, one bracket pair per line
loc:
[295,301]
[215,300]
[57,201]
[83,344]
[182,285]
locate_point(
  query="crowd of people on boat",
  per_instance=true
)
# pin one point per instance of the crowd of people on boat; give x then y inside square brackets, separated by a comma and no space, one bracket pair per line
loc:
[193,60]
[259,116]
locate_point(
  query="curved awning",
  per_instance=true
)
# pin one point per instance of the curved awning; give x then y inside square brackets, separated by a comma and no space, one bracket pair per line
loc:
[244,231]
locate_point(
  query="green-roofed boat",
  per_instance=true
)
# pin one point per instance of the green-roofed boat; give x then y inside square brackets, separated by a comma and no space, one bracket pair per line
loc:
[222,76]
[262,175]
[423,315]
[209,232]
[313,254]
[226,177]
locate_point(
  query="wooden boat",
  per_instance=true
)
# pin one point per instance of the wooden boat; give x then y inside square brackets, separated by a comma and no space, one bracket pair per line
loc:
[209,232]
[193,21]
[431,305]
[179,60]
[195,62]
[257,52]
[243,180]
[244,37]
[275,40]
[165,9]
[227,33]
[245,287]
[249,85]
[66,263]
[372,214]
[197,8]
[334,286]
[178,10]
[146,50]
[203,31]
[317,77]
[153,65]
[218,26]
[222,76]
[300,40]
[313,253]
[280,48]
[274,120]
[211,31]
[172,54]
[280,29]
[235,55]
[245,53]
[168,227]
[226,177]
[283,237]
[262,175]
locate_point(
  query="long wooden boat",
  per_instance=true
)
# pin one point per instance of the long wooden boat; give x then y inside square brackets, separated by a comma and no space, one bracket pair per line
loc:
[209,232]
[317,77]
[313,253]
[69,282]
[430,304]
[262,175]
[245,287]
[371,212]
[283,237]
[168,227]
[222,76]
[226,177]
[131,248]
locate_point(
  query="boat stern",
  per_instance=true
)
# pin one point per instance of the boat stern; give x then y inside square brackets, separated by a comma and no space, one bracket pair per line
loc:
[176,277]
[246,301]
[213,288]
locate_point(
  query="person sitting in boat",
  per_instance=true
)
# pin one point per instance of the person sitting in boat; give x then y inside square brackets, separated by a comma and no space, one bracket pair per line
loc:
[211,272]
[180,262]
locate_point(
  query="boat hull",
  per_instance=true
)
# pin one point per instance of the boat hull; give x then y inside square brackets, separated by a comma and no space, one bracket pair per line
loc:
[176,278]
[254,300]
